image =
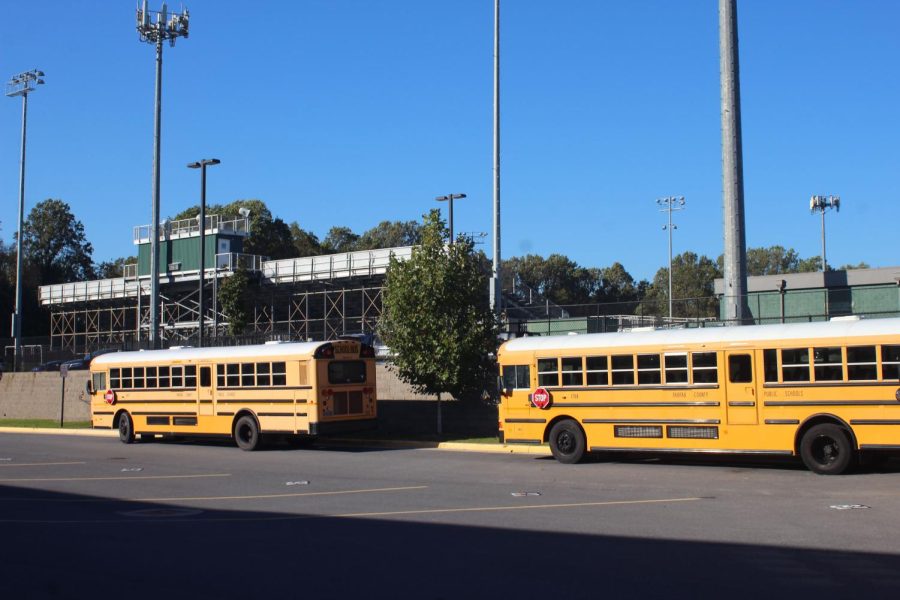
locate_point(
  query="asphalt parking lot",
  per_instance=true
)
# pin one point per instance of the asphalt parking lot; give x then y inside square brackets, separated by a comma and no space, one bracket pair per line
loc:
[89,515]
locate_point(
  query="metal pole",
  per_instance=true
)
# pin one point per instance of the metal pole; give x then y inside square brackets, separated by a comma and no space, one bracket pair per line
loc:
[202,251]
[451,218]
[17,316]
[62,402]
[154,223]
[735,255]
[495,295]
[670,259]
[824,264]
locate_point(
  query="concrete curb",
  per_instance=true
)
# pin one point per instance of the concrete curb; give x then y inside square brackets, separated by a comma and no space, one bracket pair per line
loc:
[394,444]
[51,431]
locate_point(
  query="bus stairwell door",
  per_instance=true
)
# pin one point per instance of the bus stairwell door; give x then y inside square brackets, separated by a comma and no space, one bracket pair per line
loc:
[740,389]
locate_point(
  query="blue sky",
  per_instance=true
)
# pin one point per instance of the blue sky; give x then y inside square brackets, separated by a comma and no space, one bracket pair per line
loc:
[350,112]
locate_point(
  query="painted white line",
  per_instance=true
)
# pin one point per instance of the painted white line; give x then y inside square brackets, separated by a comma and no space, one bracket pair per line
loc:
[40,464]
[126,478]
[499,508]
[297,495]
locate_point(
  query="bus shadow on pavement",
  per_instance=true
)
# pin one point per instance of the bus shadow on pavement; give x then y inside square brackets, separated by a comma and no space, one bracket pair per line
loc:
[61,545]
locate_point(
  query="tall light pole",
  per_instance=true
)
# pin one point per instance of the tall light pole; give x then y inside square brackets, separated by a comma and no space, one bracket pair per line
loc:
[821,204]
[166,27]
[450,198]
[202,164]
[21,85]
[495,292]
[668,205]
[734,233]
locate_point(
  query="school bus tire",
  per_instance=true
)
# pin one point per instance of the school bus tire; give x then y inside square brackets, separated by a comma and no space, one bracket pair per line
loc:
[126,428]
[567,442]
[826,449]
[246,433]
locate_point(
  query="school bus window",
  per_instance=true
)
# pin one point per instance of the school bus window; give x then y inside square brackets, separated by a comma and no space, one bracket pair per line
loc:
[740,368]
[98,382]
[676,368]
[115,378]
[220,376]
[190,376]
[151,377]
[126,378]
[861,363]
[547,372]
[572,371]
[263,377]
[828,364]
[279,374]
[233,375]
[516,377]
[770,366]
[138,378]
[164,380]
[704,367]
[623,369]
[890,362]
[248,375]
[597,370]
[346,371]
[795,364]
[205,377]
[648,369]
[177,377]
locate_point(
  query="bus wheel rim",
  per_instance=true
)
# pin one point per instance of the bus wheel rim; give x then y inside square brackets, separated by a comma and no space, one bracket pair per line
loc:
[825,450]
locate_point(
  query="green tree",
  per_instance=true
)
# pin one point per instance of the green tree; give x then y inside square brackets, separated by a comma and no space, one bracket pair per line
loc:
[776,260]
[693,291]
[556,278]
[305,242]
[272,239]
[390,234]
[617,289]
[234,301]
[110,269]
[860,265]
[340,239]
[53,242]
[436,317]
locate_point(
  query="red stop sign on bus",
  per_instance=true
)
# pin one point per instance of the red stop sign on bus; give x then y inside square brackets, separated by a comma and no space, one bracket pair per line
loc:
[110,397]
[540,398]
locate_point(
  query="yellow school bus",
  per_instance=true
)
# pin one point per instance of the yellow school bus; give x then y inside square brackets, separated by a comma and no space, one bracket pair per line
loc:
[828,392]
[289,389]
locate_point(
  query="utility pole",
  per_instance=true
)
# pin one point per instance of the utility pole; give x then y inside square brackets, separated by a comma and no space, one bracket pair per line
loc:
[735,255]
[496,288]
[201,218]
[669,204]
[166,27]
[21,85]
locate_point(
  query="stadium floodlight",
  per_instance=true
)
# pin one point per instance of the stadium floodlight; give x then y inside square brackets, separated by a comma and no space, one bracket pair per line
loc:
[821,204]
[21,85]
[669,204]
[166,27]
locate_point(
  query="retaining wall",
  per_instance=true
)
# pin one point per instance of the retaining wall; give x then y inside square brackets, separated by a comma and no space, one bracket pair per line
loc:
[400,409]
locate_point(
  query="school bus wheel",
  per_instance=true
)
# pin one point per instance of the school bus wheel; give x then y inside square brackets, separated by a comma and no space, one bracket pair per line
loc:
[126,428]
[567,442]
[826,449]
[246,433]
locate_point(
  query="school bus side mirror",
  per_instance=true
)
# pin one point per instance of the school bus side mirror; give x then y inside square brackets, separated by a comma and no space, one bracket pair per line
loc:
[88,387]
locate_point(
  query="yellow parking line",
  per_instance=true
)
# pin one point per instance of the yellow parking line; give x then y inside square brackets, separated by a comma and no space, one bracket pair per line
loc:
[295,495]
[127,478]
[39,464]
[529,507]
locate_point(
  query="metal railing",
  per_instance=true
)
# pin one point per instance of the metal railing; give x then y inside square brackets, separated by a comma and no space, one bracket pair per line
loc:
[191,227]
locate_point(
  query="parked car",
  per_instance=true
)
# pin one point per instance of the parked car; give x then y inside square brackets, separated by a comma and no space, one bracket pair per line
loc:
[50,365]
[83,363]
